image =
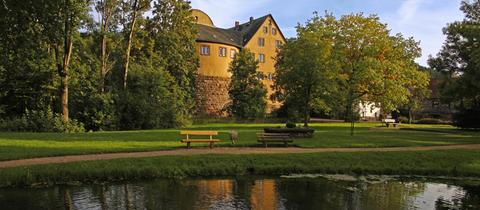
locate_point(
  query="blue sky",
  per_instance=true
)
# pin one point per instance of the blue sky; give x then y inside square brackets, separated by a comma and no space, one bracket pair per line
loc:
[421,19]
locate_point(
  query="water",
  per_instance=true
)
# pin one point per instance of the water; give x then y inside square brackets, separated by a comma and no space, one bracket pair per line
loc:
[248,193]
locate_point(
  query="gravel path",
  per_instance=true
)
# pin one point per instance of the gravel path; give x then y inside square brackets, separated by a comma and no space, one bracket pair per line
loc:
[218,150]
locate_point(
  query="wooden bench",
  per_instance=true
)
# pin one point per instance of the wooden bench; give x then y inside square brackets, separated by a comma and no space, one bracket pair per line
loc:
[189,140]
[266,138]
[390,122]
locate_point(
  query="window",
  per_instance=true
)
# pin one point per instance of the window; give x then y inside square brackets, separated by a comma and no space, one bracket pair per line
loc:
[261,58]
[265,30]
[261,42]
[232,53]
[222,52]
[274,31]
[270,76]
[205,50]
[278,43]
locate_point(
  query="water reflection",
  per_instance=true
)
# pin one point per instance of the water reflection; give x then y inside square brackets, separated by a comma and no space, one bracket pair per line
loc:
[247,193]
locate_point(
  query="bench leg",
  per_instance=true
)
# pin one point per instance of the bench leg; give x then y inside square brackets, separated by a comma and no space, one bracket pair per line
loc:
[265,144]
[286,144]
[188,145]
[211,145]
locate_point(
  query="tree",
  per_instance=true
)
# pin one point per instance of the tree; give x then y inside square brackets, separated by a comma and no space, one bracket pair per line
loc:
[107,10]
[134,9]
[174,34]
[356,58]
[246,91]
[418,93]
[375,66]
[304,79]
[70,13]
[459,61]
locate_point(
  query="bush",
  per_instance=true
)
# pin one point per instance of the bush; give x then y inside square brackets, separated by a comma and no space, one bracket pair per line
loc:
[41,121]
[467,118]
[430,121]
[403,119]
[290,125]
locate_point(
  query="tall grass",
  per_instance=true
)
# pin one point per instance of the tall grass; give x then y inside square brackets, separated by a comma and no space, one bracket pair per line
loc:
[438,163]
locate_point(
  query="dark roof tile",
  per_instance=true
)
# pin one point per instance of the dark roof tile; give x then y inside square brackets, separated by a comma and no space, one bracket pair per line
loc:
[232,36]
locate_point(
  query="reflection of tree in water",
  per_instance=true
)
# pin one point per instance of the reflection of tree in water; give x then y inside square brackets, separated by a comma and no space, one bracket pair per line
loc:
[314,194]
[465,199]
[389,195]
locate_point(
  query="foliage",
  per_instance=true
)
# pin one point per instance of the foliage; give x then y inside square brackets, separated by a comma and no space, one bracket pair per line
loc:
[246,91]
[459,61]
[403,119]
[431,121]
[467,118]
[350,60]
[41,121]
[58,57]
[304,77]
[149,101]
[290,125]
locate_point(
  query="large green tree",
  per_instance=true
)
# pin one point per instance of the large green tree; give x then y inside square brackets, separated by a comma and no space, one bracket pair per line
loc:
[459,61]
[246,90]
[304,77]
[375,66]
[356,58]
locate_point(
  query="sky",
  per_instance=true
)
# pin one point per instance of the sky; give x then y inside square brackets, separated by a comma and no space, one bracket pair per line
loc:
[421,19]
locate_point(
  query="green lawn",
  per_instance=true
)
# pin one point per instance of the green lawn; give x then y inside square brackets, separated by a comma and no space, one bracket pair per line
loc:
[454,163]
[24,145]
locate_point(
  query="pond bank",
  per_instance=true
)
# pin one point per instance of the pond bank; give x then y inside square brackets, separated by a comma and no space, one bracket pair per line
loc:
[230,150]
[452,163]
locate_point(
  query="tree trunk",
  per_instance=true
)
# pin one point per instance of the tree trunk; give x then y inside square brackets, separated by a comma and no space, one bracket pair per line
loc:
[129,44]
[104,29]
[306,111]
[350,111]
[410,116]
[63,68]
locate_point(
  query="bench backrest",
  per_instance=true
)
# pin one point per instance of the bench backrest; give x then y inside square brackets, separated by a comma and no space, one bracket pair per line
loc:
[200,133]
[272,136]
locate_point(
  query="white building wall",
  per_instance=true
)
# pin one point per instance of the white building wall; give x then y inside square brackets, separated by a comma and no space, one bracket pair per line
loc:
[368,110]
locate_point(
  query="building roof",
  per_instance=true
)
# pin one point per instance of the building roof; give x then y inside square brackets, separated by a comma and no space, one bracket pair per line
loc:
[236,36]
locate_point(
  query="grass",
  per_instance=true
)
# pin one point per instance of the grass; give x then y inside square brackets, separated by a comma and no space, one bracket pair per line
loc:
[27,145]
[454,163]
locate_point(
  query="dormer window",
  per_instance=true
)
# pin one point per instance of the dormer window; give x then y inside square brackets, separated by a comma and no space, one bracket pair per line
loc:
[261,42]
[265,30]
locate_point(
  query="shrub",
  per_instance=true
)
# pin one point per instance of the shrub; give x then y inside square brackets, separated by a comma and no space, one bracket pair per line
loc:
[403,119]
[41,121]
[467,118]
[430,121]
[290,125]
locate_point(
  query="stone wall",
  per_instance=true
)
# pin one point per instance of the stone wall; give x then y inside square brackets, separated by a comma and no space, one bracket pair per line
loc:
[212,95]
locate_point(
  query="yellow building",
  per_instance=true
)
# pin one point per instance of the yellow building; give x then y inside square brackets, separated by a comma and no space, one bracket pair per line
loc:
[216,48]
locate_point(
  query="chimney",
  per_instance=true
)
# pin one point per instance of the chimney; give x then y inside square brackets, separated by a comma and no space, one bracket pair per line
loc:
[237,25]
[251,20]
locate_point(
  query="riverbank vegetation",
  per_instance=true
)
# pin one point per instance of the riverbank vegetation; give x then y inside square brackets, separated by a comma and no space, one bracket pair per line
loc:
[27,145]
[454,163]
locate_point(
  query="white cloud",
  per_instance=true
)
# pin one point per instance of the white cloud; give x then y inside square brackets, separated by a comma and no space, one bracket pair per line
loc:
[408,9]
[424,20]
[224,13]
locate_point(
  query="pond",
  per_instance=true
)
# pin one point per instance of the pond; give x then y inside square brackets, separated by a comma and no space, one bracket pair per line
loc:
[262,193]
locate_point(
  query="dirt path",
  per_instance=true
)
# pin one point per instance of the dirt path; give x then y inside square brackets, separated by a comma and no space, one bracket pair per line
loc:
[219,150]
